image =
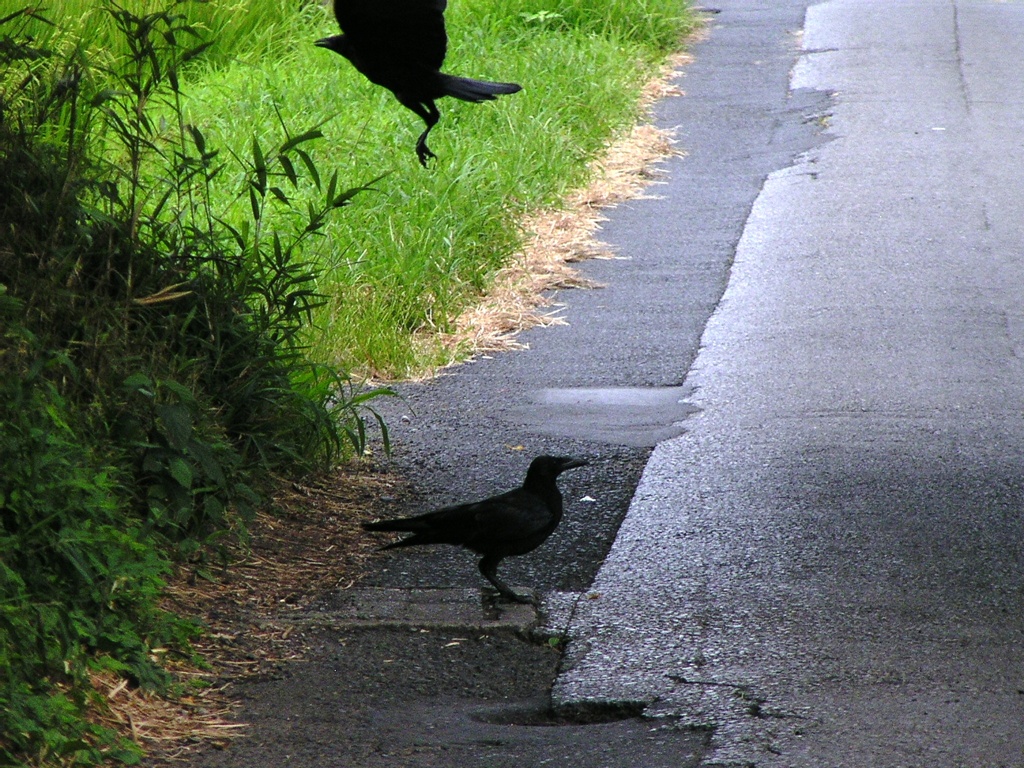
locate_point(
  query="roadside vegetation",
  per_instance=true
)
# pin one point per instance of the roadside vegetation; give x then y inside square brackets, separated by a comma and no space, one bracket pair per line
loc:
[406,258]
[207,227]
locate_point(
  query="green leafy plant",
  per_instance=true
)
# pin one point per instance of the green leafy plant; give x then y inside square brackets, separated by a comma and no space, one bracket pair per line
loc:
[189,481]
[79,579]
[154,367]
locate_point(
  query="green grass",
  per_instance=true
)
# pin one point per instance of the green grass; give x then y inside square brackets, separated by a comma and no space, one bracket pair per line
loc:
[241,28]
[410,257]
[406,259]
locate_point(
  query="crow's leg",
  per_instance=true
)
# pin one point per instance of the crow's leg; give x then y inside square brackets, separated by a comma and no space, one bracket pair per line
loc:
[422,150]
[430,114]
[489,568]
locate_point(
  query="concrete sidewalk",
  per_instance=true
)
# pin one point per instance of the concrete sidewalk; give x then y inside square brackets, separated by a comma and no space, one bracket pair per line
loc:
[829,565]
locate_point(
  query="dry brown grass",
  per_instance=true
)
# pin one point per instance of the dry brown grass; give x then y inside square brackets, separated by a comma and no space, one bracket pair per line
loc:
[520,296]
[166,726]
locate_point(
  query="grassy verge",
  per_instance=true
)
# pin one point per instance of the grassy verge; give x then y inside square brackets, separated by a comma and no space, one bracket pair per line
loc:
[407,258]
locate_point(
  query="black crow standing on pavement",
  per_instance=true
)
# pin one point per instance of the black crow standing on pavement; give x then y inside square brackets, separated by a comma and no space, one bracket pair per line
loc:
[401,44]
[512,523]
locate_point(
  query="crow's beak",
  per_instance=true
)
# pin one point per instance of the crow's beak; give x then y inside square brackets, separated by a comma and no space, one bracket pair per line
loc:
[324,42]
[569,463]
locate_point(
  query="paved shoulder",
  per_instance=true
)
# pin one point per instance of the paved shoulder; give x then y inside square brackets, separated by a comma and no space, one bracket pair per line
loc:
[827,565]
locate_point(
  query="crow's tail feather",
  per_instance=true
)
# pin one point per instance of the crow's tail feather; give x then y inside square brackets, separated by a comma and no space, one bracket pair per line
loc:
[410,525]
[476,90]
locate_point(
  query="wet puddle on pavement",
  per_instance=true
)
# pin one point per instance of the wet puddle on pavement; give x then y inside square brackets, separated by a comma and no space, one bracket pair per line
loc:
[640,417]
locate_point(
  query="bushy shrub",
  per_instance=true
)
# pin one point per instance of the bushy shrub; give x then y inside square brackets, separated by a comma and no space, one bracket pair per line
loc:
[152,366]
[79,579]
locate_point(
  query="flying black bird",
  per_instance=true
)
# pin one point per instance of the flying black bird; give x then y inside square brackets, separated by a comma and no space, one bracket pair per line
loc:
[401,44]
[512,523]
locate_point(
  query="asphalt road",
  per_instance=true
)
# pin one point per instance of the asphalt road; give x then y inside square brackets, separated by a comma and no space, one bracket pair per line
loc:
[827,566]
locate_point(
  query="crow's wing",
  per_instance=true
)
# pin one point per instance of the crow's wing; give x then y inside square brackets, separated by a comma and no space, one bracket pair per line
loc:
[407,31]
[511,517]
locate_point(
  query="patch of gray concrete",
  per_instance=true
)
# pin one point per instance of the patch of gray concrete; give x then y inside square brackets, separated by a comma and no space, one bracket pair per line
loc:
[465,609]
[470,610]
[556,611]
